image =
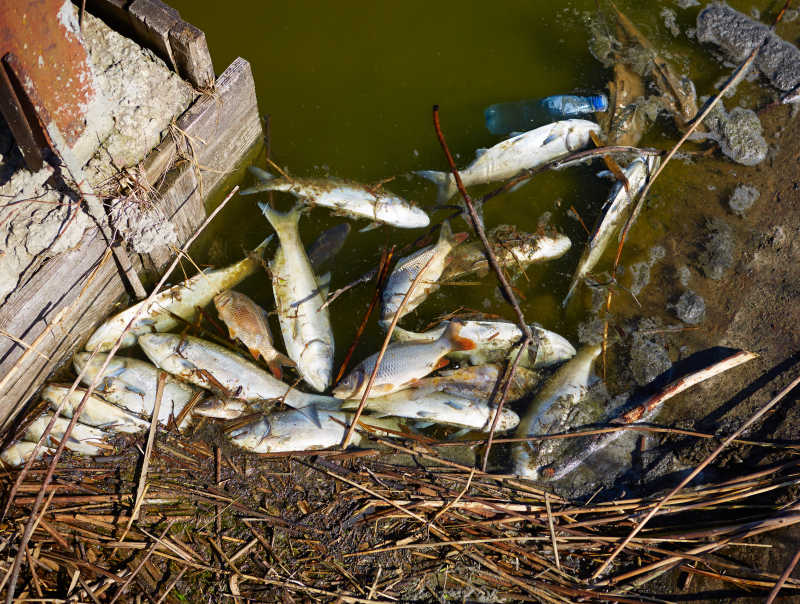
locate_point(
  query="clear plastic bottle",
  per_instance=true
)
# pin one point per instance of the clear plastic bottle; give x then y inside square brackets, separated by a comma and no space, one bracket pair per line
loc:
[503,118]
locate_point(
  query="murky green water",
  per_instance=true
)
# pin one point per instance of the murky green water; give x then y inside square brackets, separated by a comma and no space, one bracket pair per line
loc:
[349,87]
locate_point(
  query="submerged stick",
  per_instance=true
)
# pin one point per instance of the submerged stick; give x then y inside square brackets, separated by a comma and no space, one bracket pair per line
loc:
[754,418]
[28,531]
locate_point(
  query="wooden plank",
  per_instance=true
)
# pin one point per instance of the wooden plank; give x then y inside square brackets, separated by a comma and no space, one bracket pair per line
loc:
[152,20]
[223,128]
[219,130]
[192,57]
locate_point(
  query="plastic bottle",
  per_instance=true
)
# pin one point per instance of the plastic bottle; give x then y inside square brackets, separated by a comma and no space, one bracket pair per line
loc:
[503,118]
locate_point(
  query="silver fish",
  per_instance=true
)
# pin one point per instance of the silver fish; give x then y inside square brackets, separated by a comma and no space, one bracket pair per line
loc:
[247,321]
[619,203]
[211,366]
[513,249]
[495,341]
[408,268]
[20,452]
[551,409]
[131,384]
[402,364]
[305,324]
[431,405]
[292,431]
[96,412]
[182,300]
[480,382]
[508,158]
[83,439]
[346,198]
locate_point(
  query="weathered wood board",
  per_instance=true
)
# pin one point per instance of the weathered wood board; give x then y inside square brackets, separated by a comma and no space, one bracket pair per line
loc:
[61,302]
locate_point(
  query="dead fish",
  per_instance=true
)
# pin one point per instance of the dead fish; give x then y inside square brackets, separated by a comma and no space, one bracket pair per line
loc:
[480,382]
[550,410]
[346,198]
[292,431]
[131,384]
[402,364]
[513,249]
[179,300]
[327,245]
[620,203]
[432,260]
[20,452]
[211,366]
[96,412]
[83,439]
[510,157]
[495,341]
[625,121]
[305,323]
[220,407]
[431,405]
[247,321]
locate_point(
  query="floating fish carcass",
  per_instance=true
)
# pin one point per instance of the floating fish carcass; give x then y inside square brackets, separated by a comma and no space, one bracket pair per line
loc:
[495,340]
[550,410]
[620,203]
[425,265]
[305,322]
[247,322]
[402,363]
[522,152]
[181,300]
[513,249]
[346,198]
[327,245]
[481,382]
[435,406]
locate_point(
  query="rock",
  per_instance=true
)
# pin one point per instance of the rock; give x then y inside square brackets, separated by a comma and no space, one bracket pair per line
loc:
[737,35]
[717,254]
[743,197]
[640,277]
[649,359]
[742,139]
[684,274]
[591,331]
[142,225]
[690,308]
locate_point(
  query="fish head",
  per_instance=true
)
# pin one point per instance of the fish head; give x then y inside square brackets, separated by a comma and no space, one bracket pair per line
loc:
[349,385]
[553,348]
[252,436]
[159,347]
[508,420]
[223,299]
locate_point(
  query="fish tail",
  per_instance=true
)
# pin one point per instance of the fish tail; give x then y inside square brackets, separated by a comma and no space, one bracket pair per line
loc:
[282,222]
[443,181]
[455,340]
[265,182]
[278,360]
[447,235]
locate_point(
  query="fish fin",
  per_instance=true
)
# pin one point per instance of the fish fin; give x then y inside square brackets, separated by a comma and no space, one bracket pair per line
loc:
[519,185]
[370,227]
[549,139]
[311,413]
[324,284]
[260,173]
[277,361]
[459,433]
[423,425]
[456,341]
[443,362]
[443,181]
[255,352]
